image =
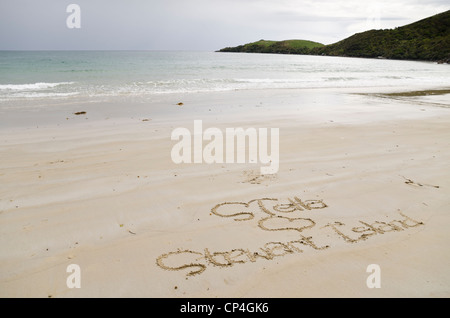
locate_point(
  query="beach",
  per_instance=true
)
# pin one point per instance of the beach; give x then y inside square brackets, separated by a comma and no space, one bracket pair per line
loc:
[363,178]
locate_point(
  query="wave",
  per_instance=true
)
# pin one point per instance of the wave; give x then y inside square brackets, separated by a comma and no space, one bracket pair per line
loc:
[147,88]
[31,87]
[198,85]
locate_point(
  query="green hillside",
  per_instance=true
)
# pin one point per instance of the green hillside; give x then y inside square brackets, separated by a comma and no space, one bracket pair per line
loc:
[427,39]
[280,47]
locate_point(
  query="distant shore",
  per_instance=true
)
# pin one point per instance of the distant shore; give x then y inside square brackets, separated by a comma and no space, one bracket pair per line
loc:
[439,61]
[424,40]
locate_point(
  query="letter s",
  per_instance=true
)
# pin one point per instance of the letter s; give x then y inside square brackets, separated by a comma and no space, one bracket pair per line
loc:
[200,267]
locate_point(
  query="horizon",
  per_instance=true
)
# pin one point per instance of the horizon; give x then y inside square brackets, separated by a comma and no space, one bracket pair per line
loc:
[198,26]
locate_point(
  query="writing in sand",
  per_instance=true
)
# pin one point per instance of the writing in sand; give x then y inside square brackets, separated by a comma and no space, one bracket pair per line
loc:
[271,215]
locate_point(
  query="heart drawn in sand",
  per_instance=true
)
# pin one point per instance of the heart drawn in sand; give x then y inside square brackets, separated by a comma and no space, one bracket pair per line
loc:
[281,223]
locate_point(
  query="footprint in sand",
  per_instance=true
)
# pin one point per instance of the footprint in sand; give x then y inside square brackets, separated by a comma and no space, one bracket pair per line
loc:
[253,177]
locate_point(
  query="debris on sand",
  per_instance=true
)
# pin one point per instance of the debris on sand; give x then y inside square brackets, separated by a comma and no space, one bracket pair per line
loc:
[411,182]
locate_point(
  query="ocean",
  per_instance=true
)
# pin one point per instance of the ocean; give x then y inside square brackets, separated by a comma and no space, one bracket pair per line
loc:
[89,75]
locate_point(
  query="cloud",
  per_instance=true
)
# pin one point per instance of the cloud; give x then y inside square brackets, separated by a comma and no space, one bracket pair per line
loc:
[197,24]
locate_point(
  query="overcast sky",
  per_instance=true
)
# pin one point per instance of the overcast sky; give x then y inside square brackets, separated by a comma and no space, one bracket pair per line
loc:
[197,24]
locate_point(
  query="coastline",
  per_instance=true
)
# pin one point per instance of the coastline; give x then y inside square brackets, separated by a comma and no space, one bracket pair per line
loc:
[438,61]
[103,193]
[401,43]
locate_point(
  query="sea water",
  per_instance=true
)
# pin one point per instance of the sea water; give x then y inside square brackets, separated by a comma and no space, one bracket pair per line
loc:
[89,75]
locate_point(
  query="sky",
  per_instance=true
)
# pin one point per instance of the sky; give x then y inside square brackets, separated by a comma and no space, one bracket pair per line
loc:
[197,25]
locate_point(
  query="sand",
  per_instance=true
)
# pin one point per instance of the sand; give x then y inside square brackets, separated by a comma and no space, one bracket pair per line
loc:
[363,179]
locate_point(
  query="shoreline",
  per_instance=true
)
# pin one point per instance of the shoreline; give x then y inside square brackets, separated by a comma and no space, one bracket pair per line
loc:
[443,62]
[165,107]
[104,194]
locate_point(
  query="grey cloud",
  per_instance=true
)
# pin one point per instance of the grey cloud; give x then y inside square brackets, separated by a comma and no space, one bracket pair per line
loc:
[191,25]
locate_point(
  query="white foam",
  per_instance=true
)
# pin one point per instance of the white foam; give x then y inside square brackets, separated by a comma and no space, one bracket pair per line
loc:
[31,87]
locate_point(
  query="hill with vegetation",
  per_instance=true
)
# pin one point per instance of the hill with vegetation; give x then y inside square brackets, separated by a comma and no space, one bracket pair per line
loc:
[277,47]
[427,39]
